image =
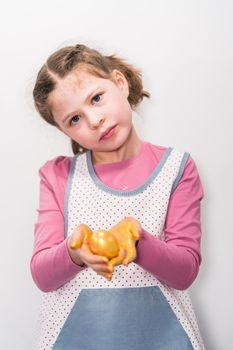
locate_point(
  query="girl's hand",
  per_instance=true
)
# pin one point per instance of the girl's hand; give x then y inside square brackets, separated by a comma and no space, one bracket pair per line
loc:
[127,232]
[83,255]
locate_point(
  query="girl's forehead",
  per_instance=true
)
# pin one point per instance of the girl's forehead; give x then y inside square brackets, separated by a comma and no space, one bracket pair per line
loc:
[77,83]
[80,79]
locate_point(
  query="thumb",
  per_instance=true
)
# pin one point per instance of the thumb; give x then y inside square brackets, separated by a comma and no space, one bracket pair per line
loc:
[76,239]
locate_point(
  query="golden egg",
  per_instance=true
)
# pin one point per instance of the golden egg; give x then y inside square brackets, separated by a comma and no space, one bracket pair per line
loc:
[104,243]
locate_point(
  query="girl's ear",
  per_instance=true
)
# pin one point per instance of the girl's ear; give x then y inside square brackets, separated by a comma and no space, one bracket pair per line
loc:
[121,81]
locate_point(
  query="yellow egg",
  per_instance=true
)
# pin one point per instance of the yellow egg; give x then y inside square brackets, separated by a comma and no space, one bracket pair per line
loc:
[104,243]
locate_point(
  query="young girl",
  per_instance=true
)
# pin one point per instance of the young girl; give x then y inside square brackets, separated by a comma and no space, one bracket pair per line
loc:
[112,175]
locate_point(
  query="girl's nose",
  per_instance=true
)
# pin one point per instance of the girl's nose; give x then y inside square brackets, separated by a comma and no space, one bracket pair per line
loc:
[95,120]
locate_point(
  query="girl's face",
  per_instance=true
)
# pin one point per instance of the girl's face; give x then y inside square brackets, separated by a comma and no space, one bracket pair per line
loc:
[93,111]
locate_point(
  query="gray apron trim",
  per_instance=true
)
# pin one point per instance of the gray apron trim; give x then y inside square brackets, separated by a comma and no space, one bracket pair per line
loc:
[181,170]
[67,193]
[139,189]
[122,318]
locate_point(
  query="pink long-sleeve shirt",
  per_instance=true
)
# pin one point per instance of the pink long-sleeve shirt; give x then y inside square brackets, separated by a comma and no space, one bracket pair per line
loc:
[174,261]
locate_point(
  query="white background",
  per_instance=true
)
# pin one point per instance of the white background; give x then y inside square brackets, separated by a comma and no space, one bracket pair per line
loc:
[185,50]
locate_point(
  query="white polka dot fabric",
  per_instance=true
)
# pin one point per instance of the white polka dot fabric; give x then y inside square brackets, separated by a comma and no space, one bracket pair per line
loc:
[91,204]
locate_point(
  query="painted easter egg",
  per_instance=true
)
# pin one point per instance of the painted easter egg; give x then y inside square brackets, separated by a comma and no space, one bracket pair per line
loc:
[104,243]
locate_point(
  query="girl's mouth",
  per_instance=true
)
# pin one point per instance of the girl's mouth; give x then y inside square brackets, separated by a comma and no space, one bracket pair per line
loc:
[107,133]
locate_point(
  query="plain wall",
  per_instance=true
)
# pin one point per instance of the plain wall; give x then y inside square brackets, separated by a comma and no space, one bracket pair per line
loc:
[185,50]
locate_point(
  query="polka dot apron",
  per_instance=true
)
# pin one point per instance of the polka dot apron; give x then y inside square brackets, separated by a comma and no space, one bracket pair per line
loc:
[133,310]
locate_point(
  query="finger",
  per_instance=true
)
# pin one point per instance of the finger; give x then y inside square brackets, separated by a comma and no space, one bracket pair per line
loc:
[122,253]
[118,259]
[106,275]
[76,239]
[80,234]
[95,259]
[101,268]
[92,259]
[130,256]
[127,260]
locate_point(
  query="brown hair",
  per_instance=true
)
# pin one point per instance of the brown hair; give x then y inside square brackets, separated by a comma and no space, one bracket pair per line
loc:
[65,60]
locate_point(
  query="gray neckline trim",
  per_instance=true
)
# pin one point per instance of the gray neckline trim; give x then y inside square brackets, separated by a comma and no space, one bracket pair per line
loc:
[133,192]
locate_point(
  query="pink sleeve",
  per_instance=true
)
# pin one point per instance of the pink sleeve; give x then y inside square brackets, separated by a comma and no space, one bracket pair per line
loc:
[176,260]
[51,265]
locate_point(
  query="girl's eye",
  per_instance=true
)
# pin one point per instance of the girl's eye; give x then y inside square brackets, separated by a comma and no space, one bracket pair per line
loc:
[96,98]
[74,119]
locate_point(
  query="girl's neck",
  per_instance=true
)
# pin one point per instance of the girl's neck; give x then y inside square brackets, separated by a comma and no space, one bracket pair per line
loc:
[129,149]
